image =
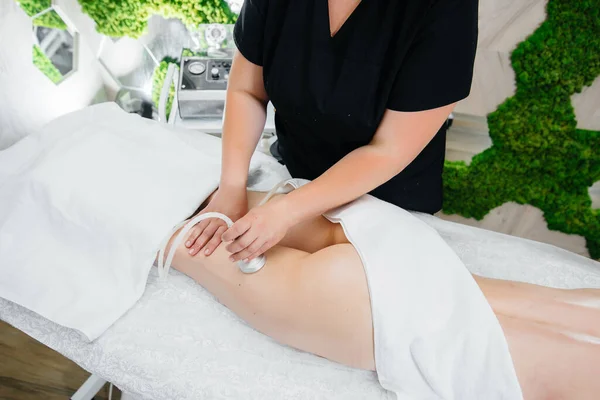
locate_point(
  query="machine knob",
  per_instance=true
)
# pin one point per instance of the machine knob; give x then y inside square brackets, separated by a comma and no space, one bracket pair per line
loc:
[214,73]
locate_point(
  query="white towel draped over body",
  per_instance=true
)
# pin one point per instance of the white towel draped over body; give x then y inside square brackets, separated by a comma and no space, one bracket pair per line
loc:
[436,336]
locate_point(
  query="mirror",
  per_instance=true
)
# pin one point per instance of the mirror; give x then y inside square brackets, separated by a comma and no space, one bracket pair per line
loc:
[54,46]
[131,62]
[127,61]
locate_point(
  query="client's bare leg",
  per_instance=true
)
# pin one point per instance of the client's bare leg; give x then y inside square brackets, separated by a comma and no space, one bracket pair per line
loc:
[553,336]
[297,298]
[319,303]
[301,296]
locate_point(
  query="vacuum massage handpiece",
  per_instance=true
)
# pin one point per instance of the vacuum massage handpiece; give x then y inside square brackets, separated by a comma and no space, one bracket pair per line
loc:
[246,267]
[164,265]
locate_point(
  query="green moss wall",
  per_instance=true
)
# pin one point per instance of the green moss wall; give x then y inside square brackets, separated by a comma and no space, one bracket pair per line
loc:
[130,17]
[118,18]
[50,19]
[538,156]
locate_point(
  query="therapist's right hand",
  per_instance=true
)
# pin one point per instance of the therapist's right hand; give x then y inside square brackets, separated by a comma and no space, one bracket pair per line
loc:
[206,235]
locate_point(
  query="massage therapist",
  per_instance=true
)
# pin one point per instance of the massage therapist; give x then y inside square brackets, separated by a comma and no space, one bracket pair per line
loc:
[362,91]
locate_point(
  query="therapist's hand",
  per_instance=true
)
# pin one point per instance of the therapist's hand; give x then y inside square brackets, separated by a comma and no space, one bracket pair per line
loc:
[206,235]
[259,230]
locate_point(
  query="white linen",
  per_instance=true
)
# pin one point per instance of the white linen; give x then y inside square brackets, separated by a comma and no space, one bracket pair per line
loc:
[204,351]
[85,204]
[178,342]
[436,336]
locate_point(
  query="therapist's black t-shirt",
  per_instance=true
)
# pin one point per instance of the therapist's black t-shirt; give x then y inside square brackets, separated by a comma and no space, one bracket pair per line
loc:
[330,93]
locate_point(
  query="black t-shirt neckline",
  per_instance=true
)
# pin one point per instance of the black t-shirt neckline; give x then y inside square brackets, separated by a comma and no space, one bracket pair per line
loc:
[347,23]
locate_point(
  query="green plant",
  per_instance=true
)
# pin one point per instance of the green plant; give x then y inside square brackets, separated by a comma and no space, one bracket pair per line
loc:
[32,7]
[51,19]
[130,17]
[538,155]
[44,64]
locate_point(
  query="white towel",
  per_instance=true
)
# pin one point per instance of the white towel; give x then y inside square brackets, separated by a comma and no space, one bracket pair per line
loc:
[436,336]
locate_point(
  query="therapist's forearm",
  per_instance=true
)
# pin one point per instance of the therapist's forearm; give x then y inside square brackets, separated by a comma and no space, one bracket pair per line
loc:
[361,171]
[398,141]
[244,122]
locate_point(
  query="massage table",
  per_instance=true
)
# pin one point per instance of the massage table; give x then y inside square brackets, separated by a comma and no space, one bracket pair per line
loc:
[178,342]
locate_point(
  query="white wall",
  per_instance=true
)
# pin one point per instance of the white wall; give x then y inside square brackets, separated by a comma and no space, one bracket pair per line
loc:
[27,98]
[503,24]
[587,106]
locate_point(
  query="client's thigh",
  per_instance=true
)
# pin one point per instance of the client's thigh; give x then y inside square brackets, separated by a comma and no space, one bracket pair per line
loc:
[317,302]
[310,235]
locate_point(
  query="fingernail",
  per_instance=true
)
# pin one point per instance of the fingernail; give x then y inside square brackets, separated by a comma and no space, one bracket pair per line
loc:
[207,252]
[188,243]
[245,260]
[191,251]
[231,259]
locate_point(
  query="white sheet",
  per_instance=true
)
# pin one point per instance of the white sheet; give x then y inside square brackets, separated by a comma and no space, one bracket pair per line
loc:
[179,343]
[85,203]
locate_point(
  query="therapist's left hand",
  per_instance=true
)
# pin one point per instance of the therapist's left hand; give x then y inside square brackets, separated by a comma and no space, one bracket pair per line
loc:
[259,230]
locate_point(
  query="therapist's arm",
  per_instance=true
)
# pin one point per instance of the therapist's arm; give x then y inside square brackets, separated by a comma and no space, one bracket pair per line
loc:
[400,138]
[244,122]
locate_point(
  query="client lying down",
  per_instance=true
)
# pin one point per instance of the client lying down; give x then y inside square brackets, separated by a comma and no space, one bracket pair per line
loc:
[368,284]
[313,295]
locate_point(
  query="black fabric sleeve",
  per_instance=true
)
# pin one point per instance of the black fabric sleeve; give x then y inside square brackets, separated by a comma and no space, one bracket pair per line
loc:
[438,68]
[249,29]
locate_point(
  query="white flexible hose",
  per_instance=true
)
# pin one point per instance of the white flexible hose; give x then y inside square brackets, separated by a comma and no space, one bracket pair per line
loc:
[164,265]
[187,225]
[246,267]
[273,191]
[163,246]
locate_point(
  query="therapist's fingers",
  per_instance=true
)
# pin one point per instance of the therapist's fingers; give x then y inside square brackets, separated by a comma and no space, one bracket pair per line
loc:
[195,232]
[206,235]
[247,251]
[213,243]
[241,242]
[239,228]
[263,249]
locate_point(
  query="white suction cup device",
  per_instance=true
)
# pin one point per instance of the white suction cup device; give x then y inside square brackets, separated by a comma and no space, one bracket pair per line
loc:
[252,266]
[164,265]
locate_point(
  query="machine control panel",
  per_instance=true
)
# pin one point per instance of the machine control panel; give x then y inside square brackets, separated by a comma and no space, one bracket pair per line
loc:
[205,73]
[202,86]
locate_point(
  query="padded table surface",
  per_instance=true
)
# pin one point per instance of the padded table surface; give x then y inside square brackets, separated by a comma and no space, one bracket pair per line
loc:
[179,343]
